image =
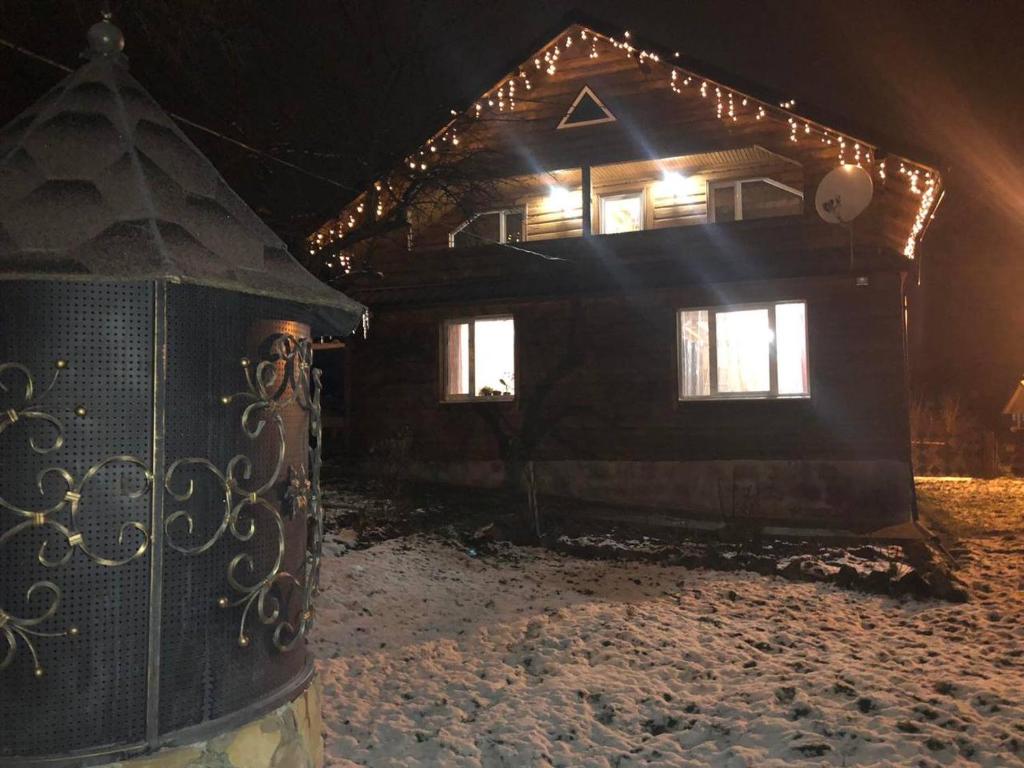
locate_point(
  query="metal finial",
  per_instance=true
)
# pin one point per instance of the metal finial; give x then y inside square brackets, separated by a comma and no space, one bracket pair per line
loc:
[105,38]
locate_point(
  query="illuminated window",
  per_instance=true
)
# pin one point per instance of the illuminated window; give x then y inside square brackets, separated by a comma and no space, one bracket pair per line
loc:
[754,351]
[622,213]
[502,226]
[752,199]
[478,358]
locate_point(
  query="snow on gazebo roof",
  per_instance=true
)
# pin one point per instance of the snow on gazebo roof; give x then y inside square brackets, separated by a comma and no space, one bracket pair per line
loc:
[98,183]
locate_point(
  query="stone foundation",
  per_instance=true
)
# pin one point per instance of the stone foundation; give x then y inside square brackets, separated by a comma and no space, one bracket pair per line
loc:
[289,737]
[846,495]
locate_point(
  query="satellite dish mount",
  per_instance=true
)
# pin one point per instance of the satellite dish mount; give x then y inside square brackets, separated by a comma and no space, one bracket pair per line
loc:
[842,196]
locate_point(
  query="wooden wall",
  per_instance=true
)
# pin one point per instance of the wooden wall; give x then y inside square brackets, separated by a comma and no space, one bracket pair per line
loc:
[548,221]
[652,122]
[617,396]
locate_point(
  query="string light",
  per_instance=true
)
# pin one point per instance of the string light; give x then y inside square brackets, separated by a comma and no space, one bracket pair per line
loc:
[727,104]
[923,212]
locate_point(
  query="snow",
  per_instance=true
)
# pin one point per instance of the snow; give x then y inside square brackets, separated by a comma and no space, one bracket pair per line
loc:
[431,657]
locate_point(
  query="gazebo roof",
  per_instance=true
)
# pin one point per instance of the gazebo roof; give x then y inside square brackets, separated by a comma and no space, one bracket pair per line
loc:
[98,183]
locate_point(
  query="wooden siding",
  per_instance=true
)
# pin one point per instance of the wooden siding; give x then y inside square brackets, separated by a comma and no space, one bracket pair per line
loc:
[546,220]
[618,398]
[524,150]
[652,122]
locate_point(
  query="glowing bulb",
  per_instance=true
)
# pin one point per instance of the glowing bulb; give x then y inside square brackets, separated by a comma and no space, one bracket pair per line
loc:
[560,197]
[673,183]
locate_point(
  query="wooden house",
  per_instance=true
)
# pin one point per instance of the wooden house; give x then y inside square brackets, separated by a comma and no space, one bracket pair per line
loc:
[608,269]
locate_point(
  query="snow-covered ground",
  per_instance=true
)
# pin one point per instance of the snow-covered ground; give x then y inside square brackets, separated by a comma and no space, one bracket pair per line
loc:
[431,657]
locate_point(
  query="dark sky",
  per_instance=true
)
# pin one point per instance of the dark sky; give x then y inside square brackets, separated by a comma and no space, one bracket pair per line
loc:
[342,88]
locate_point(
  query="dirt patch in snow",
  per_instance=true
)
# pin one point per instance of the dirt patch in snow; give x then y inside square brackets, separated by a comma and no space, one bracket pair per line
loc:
[478,519]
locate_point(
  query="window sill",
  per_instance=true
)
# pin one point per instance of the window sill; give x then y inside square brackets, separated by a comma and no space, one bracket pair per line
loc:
[745,399]
[479,399]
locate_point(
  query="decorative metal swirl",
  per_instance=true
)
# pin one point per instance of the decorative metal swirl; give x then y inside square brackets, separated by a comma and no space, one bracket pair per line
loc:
[30,401]
[68,497]
[245,501]
[14,628]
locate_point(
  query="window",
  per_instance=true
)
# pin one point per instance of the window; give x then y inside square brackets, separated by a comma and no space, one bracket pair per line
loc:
[586,109]
[754,351]
[622,213]
[752,199]
[502,226]
[478,358]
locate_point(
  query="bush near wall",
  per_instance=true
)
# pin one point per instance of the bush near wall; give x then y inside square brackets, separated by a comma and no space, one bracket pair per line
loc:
[946,440]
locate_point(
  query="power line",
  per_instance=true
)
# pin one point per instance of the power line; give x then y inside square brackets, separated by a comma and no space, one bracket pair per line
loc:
[34,55]
[489,241]
[261,153]
[193,124]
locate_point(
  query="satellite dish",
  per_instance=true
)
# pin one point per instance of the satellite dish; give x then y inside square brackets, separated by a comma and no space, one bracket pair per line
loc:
[843,194]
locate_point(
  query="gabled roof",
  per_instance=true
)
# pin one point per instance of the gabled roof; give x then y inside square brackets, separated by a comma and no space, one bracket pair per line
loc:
[98,183]
[921,175]
[741,86]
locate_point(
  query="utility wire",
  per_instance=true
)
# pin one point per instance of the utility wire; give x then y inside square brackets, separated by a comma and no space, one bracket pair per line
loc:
[261,153]
[489,241]
[193,124]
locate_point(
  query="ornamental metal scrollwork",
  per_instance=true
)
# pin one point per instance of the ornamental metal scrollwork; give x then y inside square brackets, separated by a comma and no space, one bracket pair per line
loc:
[61,532]
[244,501]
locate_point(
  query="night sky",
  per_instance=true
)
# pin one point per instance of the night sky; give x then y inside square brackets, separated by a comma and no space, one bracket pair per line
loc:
[344,88]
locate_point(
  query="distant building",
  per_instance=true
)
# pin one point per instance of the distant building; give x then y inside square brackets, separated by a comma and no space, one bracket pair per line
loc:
[609,265]
[1015,407]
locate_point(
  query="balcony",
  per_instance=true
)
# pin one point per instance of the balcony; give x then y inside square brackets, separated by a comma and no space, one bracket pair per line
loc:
[665,193]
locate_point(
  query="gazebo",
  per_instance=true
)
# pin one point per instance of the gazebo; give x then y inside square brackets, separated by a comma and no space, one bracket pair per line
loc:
[160,525]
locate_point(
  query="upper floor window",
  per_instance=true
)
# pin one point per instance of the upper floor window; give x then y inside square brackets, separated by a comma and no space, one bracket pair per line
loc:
[621,213]
[499,226]
[478,358]
[752,199]
[752,351]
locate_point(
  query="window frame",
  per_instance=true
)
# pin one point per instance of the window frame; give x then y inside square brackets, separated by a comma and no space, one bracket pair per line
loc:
[737,185]
[503,214]
[772,393]
[442,359]
[612,194]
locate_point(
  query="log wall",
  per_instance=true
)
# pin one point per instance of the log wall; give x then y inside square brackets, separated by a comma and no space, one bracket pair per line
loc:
[596,381]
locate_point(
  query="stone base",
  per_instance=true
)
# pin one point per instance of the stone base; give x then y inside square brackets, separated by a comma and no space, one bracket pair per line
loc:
[838,495]
[289,737]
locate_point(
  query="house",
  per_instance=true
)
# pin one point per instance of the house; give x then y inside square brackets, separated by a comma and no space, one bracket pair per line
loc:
[609,269]
[1014,407]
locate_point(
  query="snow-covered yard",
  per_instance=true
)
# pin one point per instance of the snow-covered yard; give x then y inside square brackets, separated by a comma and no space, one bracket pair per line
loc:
[431,657]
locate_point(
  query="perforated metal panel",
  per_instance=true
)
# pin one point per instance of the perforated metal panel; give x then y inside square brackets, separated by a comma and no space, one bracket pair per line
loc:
[93,686]
[209,332]
[97,676]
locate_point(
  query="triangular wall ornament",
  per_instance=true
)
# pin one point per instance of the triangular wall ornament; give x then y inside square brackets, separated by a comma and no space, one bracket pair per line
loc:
[586,109]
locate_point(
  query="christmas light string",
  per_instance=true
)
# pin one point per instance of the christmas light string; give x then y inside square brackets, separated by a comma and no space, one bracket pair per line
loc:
[729,106]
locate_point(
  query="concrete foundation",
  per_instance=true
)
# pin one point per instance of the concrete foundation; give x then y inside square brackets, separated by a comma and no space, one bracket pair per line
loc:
[850,495]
